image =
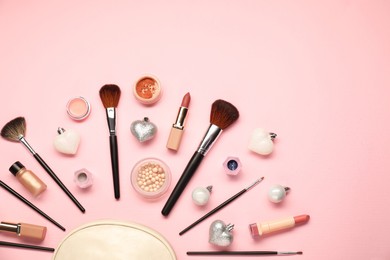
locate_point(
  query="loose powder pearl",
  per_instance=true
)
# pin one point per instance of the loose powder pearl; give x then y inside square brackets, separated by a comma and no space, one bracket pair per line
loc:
[151,177]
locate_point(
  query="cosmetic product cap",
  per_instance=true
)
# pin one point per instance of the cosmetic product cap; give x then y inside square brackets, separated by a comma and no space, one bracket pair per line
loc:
[34,232]
[78,108]
[254,230]
[16,167]
[83,178]
[147,90]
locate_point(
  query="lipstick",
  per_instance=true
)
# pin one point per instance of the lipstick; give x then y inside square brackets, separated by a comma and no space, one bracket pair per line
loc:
[177,129]
[23,230]
[263,228]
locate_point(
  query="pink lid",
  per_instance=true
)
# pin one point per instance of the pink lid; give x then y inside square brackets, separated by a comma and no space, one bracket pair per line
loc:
[254,230]
[78,108]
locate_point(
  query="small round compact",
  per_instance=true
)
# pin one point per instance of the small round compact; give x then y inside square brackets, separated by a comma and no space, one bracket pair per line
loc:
[147,90]
[151,178]
[78,108]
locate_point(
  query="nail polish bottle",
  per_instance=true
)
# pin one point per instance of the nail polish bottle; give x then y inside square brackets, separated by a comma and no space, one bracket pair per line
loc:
[28,179]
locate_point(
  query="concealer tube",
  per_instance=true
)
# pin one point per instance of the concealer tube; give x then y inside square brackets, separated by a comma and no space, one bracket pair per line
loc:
[263,228]
[24,230]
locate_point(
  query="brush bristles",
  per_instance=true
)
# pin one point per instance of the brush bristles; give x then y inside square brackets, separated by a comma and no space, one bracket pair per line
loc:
[110,94]
[14,129]
[223,114]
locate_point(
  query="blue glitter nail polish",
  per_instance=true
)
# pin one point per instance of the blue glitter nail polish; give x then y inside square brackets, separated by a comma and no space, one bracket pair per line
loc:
[232,165]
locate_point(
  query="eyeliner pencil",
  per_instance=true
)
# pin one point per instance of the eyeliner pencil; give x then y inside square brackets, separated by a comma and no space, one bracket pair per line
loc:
[28,203]
[42,248]
[244,253]
[222,205]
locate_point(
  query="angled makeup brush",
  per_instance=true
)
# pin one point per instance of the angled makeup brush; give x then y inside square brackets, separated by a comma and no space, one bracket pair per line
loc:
[110,95]
[223,114]
[15,131]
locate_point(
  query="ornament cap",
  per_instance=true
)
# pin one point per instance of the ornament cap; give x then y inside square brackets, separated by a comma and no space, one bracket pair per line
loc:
[60,130]
[229,227]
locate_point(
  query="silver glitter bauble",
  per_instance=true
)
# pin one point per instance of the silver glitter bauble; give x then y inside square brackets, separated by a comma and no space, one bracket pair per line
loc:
[220,233]
[143,130]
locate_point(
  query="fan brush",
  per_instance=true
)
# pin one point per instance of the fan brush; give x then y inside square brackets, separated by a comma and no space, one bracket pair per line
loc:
[15,131]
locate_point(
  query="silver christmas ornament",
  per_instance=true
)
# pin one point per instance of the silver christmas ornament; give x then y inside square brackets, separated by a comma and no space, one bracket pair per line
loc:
[143,130]
[220,233]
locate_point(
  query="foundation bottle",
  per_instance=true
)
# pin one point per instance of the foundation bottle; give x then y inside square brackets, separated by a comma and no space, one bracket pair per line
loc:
[28,179]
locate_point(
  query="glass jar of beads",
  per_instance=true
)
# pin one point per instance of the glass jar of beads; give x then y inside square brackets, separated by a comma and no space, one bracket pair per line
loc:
[151,178]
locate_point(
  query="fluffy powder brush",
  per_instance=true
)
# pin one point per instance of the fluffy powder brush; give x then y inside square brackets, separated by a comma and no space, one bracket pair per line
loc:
[110,95]
[223,114]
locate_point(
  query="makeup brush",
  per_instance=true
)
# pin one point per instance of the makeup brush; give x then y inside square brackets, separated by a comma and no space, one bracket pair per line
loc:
[222,205]
[15,131]
[110,94]
[10,244]
[28,203]
[223,114]
[244,253]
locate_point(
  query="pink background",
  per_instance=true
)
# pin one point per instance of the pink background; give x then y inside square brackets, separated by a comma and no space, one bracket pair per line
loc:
[315,72]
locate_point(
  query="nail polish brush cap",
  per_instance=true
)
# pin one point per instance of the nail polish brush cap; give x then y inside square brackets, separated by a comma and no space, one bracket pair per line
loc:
[16,167]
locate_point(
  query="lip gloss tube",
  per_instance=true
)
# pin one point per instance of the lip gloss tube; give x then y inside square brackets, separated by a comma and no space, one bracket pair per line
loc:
[262,228]
[24,230]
